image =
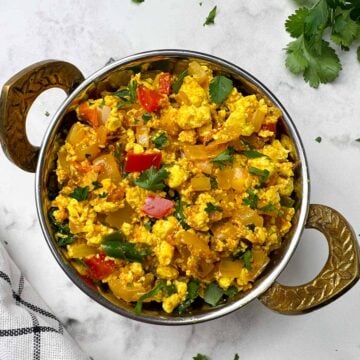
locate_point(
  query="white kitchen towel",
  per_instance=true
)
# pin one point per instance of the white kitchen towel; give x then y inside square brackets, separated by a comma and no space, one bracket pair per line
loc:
[28,330]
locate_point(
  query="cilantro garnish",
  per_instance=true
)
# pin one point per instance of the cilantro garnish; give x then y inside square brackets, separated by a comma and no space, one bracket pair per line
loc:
[192,294]
[211,17]
[358,139]
[246,257]
[128,94]
[179,214]
[318,139]
[262,174]
[214,293]
[47,113]
[236,356]
[97,185]
[160,141]
[146,117]
[210,207]
[152,179]
[62,233]
[116,245]
[253,154]
[220,88]
[158,287]
[137,1]
[309,53]
[175,87]
[224,158]
[103,195]
[80,193]
[251,200]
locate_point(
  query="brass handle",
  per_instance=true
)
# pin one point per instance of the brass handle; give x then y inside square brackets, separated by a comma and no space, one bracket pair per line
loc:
[340,272]
[17,96]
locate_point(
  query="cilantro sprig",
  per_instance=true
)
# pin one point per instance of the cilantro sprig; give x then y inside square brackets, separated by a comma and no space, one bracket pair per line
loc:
[310,54]
[152,179]
[224,158]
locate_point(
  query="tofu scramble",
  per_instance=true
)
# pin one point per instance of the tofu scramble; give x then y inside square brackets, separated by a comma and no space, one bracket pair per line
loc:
[174,189]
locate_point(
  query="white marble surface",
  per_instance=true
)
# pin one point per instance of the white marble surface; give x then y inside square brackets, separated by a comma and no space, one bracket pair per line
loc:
[250,34]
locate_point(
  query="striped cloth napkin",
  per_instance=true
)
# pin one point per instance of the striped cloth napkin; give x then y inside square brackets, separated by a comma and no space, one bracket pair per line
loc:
[28,330]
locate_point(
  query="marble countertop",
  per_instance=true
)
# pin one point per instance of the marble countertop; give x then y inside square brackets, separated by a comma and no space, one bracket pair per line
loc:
[250,34]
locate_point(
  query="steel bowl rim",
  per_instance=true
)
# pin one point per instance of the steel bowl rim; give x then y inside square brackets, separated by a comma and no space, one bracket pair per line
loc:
[268,280]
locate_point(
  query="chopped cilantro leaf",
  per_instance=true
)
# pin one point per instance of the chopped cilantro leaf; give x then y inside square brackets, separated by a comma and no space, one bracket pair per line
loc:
[213,294]
[137,1]
[262,174]
[160,141]
[175,87]
[47,113]
[253,154]
[358,139]
[220,88]
[210,207]
[211,17]
[318,139]
[251,227]
[224,158]
[97,185]
[251,200]
[146,117]
[152,293]
[236,356]
[80,193]
[103,195]
[192,294]
[116,245]
[246,257]
[269,208]
[152,179]
[179,214]
[62,233]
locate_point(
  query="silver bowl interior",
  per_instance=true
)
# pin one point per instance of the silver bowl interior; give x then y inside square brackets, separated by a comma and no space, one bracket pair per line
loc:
[110,78]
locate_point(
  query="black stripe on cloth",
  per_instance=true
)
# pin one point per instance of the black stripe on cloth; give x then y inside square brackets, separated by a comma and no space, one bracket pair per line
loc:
[32,307]
[27,330]
[37,338]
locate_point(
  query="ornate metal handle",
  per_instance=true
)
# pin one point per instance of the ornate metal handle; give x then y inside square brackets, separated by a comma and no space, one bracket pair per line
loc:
[17,96]
[339,274]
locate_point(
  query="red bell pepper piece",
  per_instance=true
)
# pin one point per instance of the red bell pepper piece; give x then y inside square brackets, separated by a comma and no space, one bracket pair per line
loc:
[157,207]
[165,83]
[98,267]
[149,99]
[270,127]
[141,162]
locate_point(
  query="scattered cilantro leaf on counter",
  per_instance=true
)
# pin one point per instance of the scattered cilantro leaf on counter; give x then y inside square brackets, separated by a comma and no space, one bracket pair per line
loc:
[262,174]
[310,54]
[224,158]
[47,113]
[358,139]
[156,289]
[152,179]
[251,200]
[160,141]
[200,357]
[80,193]
[210,20]
[253,154]
[220,88]
[318,139]
[210,207]
[176,85]
[146,117]
[137,1]
[236,356]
